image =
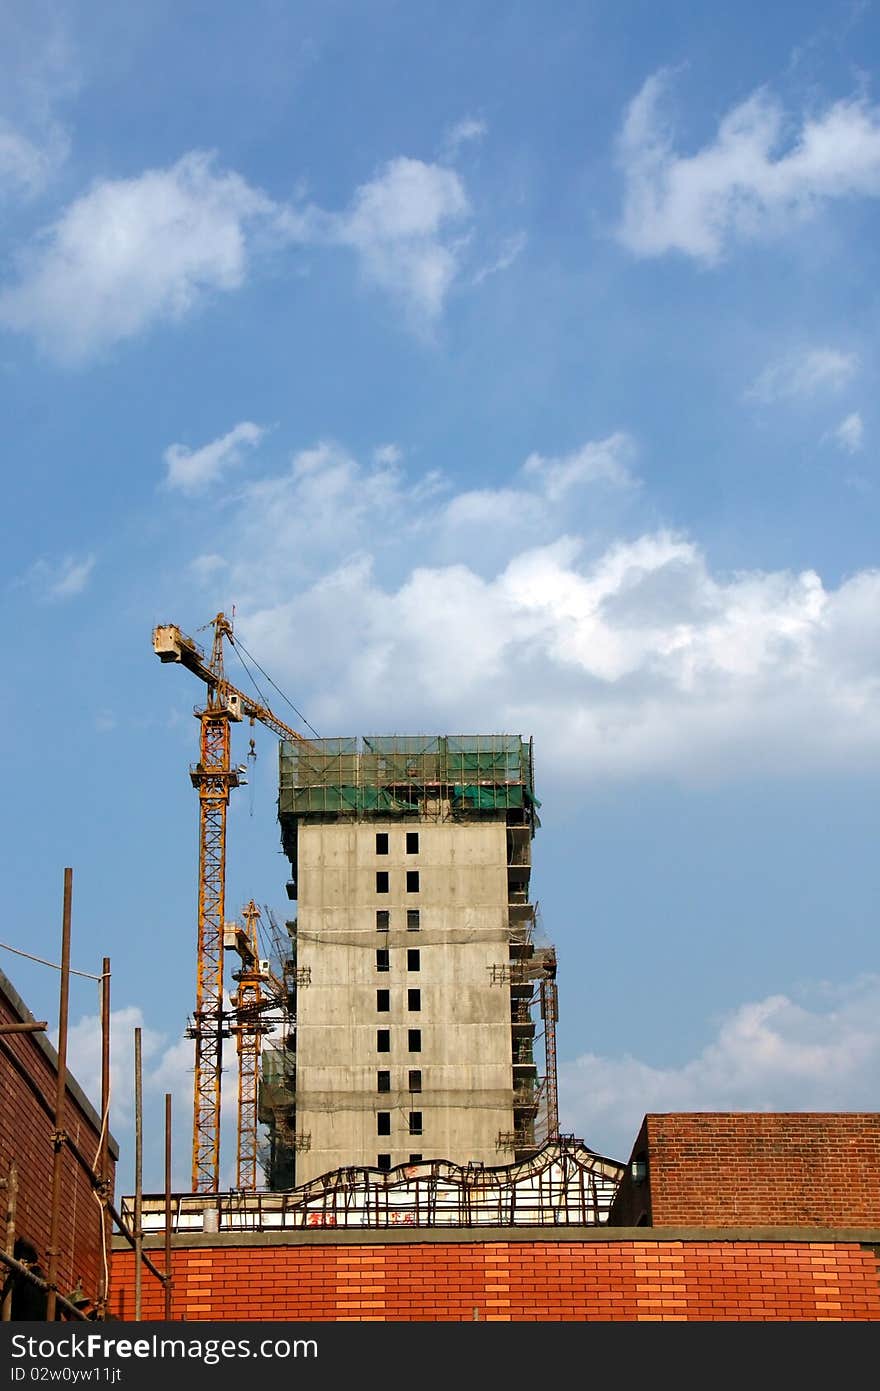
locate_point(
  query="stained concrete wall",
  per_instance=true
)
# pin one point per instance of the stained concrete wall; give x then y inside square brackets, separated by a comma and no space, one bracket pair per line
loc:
[464,1019]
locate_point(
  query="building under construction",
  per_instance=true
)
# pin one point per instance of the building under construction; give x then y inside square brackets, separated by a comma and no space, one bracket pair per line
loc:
[417,984]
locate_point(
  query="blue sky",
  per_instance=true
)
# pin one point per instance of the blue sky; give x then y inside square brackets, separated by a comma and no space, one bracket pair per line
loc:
[507,368]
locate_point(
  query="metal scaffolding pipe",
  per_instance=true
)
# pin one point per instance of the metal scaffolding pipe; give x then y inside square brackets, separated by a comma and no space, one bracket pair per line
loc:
[11,1204]
[59,1135]
[168,1206]
[27,1274]
[138,1173]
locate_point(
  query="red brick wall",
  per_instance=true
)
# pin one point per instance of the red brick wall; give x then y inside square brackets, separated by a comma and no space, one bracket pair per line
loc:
[746,1169]
[516,1280]
[26,1134]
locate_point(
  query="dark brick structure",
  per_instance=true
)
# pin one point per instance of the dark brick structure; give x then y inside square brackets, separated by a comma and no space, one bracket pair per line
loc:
[753,1168]
[28,1073]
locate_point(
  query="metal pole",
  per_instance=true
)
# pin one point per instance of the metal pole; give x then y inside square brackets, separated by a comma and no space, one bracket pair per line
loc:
[168,1206]
[138,1174]
[11,1202]
[25,1272]
[59,1136]
[104,1159]
[105,1069]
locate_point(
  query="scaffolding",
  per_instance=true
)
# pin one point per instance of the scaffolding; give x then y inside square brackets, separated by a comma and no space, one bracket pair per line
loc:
[440,776]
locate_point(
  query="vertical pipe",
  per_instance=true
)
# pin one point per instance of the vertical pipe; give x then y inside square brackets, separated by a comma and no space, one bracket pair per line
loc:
[104,1158]
[11,1204]
[59,1136]
[105,1069]
[138,1175]
[168,1206]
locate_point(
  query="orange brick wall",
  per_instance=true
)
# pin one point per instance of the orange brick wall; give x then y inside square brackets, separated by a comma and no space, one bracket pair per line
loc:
[746,1169]
[26,1135]
[516,1280]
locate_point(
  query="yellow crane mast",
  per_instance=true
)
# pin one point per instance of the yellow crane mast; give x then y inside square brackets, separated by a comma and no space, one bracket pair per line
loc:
[213,777]
[249,1002]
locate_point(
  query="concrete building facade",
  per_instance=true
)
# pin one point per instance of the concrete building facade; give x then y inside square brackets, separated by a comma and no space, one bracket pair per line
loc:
[414,968]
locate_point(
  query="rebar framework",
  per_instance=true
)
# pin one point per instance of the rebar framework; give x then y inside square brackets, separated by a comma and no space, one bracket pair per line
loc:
[563,1184]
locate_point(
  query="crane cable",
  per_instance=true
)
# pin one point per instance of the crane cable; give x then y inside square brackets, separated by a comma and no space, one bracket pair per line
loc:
[237,642]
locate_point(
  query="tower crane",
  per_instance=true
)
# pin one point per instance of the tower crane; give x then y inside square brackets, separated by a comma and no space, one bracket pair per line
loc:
[213,777]
[259,990]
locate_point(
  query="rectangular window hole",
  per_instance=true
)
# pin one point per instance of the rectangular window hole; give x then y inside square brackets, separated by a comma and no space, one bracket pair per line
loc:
[383,1082]
[383,1161]
[412,842]
[383,1122]
[383,959]
[383,1001]
[413,998]
[383,1040]
[381,842]
[412,881]
[415,1040]
[415,1079]
[415,1123]
[381,881]
[413,959]
[415,1159]
[413,920]
[383,919]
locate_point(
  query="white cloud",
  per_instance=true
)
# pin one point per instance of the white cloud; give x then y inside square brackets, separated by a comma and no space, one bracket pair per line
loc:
[464,132]
[542,486]
[756,178]
[488,608]
[131,252]
[50,581]
[802,374]
[165,1067]
[38,72]
[206,567]
[850,433]
[27,165]
[600,461]
[511,248]
[398,224]
[387,454]
[192,470]
[84,1058]
[819,1053]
